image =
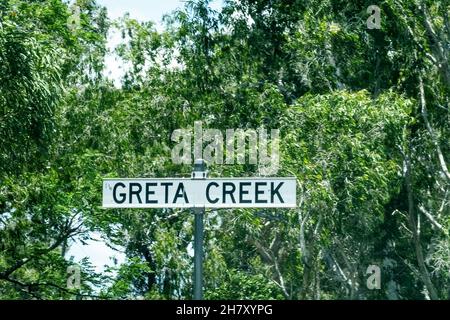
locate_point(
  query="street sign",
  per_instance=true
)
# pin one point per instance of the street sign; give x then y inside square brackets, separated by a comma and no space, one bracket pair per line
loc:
[200,193]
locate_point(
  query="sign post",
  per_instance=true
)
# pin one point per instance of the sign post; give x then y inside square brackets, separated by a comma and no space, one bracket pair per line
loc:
[197,193]
[199,172]
[198,253]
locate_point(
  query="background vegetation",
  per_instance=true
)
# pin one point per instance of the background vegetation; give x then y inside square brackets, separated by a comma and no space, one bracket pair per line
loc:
[365,125]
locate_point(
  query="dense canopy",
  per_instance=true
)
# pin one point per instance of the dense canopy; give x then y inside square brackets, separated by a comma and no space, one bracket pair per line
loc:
[364,124]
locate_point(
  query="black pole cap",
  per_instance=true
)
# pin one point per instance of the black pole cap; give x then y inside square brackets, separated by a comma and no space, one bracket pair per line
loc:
[199,165]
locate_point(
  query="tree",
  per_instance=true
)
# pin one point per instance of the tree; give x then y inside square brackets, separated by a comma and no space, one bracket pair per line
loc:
[40,211]
[363,116]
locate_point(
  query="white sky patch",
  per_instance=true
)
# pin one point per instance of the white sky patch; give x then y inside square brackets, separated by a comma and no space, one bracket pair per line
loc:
[115,68]
[97,251]
[141,10]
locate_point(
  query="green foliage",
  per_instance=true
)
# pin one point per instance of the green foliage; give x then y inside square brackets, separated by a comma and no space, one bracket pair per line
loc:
[353,133]
[240,286]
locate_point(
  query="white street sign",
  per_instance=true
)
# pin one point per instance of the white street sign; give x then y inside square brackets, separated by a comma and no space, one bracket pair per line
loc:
[208,193]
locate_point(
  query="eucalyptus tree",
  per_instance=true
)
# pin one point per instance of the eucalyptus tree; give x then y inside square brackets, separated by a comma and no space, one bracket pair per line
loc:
[41,56]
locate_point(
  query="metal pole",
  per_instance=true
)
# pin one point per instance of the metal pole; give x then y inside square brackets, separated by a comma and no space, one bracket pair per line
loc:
[198,254]
[199,172]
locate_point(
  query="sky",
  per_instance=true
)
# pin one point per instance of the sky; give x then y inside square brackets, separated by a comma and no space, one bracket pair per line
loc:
[143,10]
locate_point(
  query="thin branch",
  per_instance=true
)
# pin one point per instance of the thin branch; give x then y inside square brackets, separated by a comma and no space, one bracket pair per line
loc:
[341,272]
[436,45]
[270,256]
[444,200]
[430,130]
[69,233]
[431,33]
[263,251]
[23,287]
[432,220]
[43,284]
[281,279]
[20,263]
[416,237]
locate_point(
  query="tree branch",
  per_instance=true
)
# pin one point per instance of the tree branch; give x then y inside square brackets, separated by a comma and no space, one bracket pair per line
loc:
[436,46]
[432,220]
[424,113]
[69,232]
[416,237]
